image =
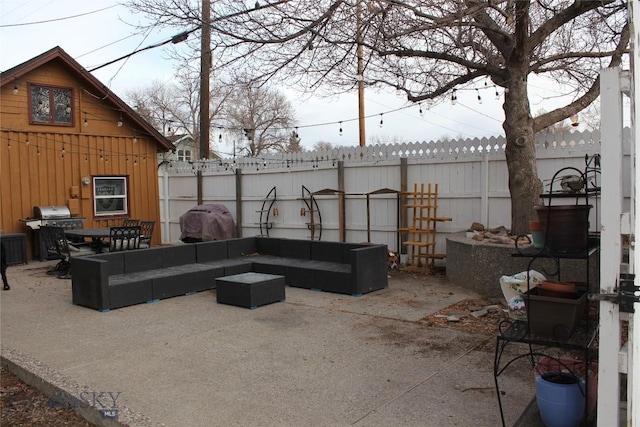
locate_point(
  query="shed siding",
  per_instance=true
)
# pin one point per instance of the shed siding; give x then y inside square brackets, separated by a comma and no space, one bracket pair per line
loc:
[41,164]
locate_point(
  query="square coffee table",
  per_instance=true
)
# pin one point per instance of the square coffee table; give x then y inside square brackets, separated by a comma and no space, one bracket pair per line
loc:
[250,290]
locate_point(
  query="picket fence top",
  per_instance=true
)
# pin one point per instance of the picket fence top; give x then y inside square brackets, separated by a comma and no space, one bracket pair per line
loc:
[588,141]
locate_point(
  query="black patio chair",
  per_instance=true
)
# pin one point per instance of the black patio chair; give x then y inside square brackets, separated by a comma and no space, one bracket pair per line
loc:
[57,245]
[124,238]
[146,232]
[130,222]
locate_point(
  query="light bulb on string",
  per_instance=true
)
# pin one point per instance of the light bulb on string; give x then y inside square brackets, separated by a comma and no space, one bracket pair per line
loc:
[420,110]
[86,122]
[497,94]
[479,97]
[454,97]
[340,132]
[381,120]
[27,140]
[15,89]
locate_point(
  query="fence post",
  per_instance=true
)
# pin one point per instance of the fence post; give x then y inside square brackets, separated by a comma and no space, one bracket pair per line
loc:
[484,190]
[341,203]
[404,172]
[239,202]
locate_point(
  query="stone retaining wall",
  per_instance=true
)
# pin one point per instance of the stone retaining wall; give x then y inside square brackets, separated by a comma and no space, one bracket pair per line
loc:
[479,265]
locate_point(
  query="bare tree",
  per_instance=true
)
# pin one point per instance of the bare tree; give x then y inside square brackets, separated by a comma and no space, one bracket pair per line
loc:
[322,145]
[264,116]
[430,49]
[175,107]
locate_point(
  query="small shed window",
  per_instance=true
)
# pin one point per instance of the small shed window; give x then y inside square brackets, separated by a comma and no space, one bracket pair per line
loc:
[51,105]
[110,196]
[184,155]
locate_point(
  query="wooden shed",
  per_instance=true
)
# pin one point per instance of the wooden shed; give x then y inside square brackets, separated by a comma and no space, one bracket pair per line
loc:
[67,140]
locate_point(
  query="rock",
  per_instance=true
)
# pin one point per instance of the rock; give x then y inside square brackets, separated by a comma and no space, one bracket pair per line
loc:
[453,318]
[476,226]
[479,313]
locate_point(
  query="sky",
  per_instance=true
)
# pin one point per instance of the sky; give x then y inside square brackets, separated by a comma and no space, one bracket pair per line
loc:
[97,31]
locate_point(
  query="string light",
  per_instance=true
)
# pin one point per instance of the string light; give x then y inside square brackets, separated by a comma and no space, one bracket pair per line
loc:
[27,140]
[381,121]
[86,122]
[340,132]
[497,94]
[454,97]
[420,110]
[120,122]
[15,89]
[479,97]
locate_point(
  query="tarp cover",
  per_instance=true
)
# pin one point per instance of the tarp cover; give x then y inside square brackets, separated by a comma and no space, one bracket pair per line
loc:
[207,222]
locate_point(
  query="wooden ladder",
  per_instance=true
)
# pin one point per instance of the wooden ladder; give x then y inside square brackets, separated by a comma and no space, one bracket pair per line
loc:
[421,235]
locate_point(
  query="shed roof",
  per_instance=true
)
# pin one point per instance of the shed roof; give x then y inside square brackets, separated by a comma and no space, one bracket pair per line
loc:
[58,54]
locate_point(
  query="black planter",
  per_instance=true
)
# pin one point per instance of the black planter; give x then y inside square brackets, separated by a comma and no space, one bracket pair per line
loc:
[566,227]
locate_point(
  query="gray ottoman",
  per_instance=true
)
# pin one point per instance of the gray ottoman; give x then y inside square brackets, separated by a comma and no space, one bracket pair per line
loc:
[250,290]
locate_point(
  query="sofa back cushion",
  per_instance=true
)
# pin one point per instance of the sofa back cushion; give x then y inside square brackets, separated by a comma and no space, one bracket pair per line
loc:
[178,255]
[268,246]
[213,250]
[241,247]
[332,251]
[142,260]
[298,249]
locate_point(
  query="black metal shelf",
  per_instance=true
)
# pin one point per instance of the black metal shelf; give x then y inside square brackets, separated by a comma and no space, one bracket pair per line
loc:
[533,252]
[519,331]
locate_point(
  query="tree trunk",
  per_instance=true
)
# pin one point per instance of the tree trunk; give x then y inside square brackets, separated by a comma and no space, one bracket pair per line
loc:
[524,184]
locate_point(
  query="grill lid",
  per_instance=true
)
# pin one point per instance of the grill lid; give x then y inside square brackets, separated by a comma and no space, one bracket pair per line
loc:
[51,212]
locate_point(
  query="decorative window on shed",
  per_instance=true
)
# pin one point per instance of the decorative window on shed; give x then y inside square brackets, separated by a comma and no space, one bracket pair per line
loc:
[110,197]
[51,105]
[184,155]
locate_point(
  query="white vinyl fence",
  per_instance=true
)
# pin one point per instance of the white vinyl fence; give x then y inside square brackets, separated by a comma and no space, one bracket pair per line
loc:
[471,176]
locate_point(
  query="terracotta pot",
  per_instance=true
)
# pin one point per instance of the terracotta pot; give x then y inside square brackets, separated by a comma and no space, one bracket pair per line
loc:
[557,289]
[534,225]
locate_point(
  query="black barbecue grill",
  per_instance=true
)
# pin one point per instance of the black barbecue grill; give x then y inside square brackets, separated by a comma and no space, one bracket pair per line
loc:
[53,216]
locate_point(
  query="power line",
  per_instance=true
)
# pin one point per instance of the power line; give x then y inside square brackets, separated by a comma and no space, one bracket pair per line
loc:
[58,19]
[175,39]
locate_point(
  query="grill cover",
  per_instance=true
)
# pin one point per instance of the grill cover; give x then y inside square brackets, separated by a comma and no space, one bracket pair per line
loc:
[207,222]
[51,212]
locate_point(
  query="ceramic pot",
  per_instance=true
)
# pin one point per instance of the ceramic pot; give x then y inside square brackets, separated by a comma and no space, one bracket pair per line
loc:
[560,398]
[537,234]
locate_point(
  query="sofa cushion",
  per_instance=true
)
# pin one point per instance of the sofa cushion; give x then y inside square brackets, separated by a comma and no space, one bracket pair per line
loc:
[142,260]
[268,246]
[329,251]
[178,255]
[211,251]
[300,249]
[240,247]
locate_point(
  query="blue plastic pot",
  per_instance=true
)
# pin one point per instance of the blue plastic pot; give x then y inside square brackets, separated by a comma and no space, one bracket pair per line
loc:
[560,397]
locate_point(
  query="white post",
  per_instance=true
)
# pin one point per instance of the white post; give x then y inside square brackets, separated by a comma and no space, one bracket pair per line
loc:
[484,196]
[633,356]
[610,249]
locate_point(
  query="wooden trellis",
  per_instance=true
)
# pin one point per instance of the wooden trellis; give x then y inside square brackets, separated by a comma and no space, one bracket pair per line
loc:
[421,235]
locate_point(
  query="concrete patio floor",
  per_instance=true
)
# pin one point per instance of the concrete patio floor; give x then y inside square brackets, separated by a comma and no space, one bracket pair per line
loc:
[317,359]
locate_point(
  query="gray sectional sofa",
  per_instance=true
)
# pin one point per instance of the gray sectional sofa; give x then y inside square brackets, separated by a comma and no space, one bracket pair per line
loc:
[118,279]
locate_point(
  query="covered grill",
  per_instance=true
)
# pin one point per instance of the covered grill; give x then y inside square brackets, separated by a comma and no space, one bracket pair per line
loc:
[54,216]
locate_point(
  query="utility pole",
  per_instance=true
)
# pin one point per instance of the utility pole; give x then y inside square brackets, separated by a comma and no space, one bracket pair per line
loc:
[360,74]
[205,72]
